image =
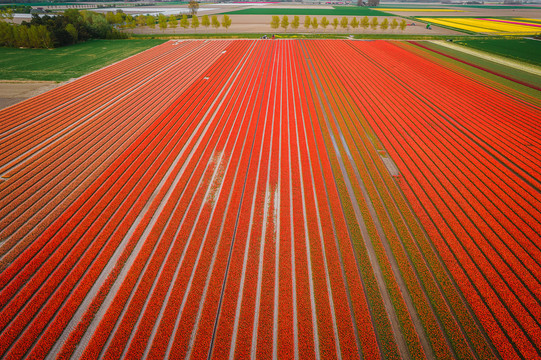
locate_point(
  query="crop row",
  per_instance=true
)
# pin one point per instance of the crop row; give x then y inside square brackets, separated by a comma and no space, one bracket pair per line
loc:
[43,261]
[419,146]
[237,199]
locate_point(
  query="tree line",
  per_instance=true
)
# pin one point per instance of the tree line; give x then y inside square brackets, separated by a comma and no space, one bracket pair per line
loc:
[53,31]
[343,23]
[174,21]
[15,8]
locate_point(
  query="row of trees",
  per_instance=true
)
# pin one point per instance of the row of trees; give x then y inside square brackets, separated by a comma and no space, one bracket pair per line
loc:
[53,31]
[15,9]
[344,23]
[172,21]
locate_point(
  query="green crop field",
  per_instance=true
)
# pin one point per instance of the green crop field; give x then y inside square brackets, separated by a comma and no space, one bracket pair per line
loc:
[514,73]
[68,62]
[336,11]
[524,49]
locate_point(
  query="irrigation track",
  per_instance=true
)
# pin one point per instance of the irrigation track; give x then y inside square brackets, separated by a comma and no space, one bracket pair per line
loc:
[271,199]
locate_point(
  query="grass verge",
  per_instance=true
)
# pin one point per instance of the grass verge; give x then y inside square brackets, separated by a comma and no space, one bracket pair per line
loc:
[68,62]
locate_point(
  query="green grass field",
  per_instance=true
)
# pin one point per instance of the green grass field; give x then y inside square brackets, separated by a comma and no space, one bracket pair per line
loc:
[524,49]
[67,62]
[336,11]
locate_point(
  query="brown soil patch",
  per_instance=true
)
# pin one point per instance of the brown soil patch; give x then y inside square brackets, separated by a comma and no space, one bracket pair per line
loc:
[12,92]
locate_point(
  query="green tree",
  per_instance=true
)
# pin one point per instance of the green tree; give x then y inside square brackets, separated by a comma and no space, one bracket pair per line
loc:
[285,22]
[394,24]
[205,21]
[226,22]
[195,22]
[184,21]
[151,21]
[194,7]
[344,23]
[315,24]
[275,22]
[365,23]
[162,22]
[295,23]
[384,24]
[110,17]
[403,25]
[324,22]
[44,36]
[70,28]
[21,36]
[130,22]
[335,23]
[6,13]
[307,22]
[374,23]
[141,20]
[119,17]
[354,23]
[214,22]
[173,21]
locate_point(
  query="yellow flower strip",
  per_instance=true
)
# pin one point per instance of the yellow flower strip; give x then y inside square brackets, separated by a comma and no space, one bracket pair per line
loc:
[455,25]
[485,26]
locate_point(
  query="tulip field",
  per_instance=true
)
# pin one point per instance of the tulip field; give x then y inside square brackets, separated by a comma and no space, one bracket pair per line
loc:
[285,199]
[490,25]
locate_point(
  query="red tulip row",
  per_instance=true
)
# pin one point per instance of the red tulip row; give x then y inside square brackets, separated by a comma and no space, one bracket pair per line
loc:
[385,191]
[508,130]
[66,171]
[25,111]
[186,185]
[36,252]
[423,50]
[425,153]
[360,308]
[126,324]
[338,280]
[341,110]
[362,316]
[29,260]
[223,223]
[440,306]
[44,130]
[239,288]
[506,249]
[293,305]
[65,266]
[268,270]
